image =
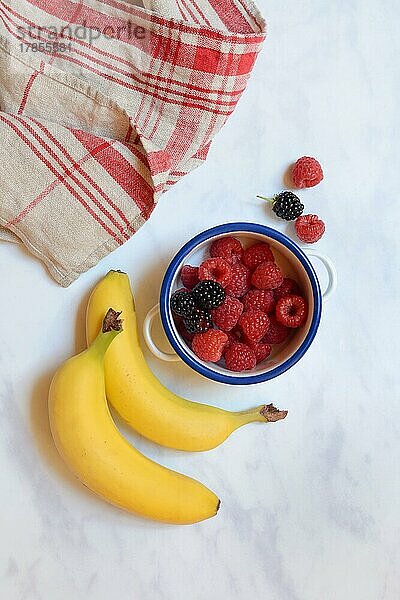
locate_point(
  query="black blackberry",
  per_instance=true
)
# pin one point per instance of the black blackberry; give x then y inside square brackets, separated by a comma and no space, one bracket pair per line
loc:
[286,205]
[182,303]
[208,294]
[199,321]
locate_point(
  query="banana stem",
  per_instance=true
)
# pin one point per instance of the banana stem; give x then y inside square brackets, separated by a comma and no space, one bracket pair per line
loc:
[112,326]
[265,413]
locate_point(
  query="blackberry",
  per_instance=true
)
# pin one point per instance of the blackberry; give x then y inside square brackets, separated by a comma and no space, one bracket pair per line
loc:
[208,294]
[182,303]
[198,322]
[286,205]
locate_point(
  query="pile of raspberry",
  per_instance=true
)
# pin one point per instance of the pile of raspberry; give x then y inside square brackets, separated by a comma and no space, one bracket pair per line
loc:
[237,305]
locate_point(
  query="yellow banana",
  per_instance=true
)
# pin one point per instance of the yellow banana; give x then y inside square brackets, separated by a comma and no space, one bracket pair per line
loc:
[101,457]
[139,397]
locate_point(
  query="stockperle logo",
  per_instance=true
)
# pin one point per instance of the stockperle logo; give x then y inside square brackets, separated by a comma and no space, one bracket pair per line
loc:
[44,37]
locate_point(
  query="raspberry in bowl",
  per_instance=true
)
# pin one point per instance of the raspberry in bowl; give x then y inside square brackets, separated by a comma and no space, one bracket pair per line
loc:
[255,298]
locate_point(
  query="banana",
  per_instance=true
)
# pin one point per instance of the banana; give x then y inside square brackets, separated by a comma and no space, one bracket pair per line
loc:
[138,396]
[93,448]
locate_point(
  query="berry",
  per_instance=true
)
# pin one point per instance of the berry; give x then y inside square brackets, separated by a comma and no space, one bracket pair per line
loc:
[287,205]
[189,276]
[257,254]
[291,311]
[267,276]
[215,269]
[233,338]
[209,345]
[261,350]
[277,333]
[182,303]
[228,248]
[306,172]
[259,300]
[288,287]
[254,325]
[198,322]
[208,294]
[240,281]
[227,315]
[183,332]
[309,228]
[239,357]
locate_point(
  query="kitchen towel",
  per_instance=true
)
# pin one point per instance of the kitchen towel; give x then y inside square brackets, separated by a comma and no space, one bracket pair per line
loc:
[106,104]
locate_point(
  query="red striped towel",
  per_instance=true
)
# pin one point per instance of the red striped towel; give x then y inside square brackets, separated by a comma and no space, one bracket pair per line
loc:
[104,105]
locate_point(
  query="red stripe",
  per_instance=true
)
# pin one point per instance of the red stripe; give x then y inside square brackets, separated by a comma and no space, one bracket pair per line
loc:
[140,76]
[70,174]
[29,87]
[231,16]
[203,16]
[187,7]
[93,152]
[60,176]
[121,170]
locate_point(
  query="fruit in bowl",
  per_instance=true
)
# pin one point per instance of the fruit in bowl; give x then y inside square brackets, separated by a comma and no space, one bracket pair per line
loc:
[237,306]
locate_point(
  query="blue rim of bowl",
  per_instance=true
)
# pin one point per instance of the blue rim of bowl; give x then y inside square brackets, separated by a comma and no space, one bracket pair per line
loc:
[180,347]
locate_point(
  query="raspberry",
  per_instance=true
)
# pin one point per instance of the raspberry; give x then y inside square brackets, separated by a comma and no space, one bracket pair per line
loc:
[239,357]
[227,315]
[209,345]
[306,172]
[277,333]
[228,248]
[189,276]
[261,350]
[309,228]
[240,281]
[208,294]
[234,336]
[289,286]
[215,269]
[182,303]
[198,322]
[254,324]
[257,254]
[267,276]
[291,311]
[259,300]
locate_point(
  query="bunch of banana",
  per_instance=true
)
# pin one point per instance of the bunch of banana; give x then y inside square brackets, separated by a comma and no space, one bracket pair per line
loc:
[113,368]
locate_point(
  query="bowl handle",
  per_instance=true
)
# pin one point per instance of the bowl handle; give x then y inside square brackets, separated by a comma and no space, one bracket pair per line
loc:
[170,357]
[331,270]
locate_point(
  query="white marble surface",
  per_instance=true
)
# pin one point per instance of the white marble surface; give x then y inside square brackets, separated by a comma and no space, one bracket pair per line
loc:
[310,505]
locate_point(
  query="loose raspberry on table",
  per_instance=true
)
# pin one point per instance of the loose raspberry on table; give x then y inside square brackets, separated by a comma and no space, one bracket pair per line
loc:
[267,276]
[257,254]
[209,345]
[306,172]
[289,286]
[189,276]
[291,311]
[239,357]
[182,303]
[198,322]
[277,333]
[227,315]
[259,300]
[208,294]
[215,269]
[254,324]
[309,228]
[240,281]
[228,248]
